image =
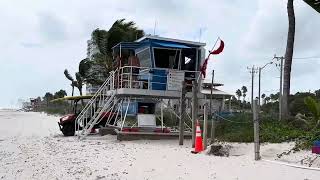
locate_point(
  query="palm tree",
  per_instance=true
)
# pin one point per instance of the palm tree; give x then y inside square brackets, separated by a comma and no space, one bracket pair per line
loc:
[60,94]
[48,97]
[105,40]
[239,94]
[100,38]
[244,91]
[263,97]
[79,83]
[267,99]
[317,92]
[73,82]
[314,108]
[288,59]
[314,4]
[274,97]
[123,31]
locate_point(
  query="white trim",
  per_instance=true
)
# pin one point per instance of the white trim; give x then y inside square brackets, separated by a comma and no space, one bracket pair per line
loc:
[170,39]
[143,50]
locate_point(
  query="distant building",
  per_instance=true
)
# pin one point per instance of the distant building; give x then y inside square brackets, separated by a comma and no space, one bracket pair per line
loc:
[219,99]
[92,49]
[35,102]
[90,89]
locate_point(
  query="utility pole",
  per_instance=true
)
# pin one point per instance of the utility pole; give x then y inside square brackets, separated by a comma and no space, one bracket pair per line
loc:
[194,110]
[205,126]
[213,122]
[259,100]
[281,59]
[211,88]
[255,110]
[252,71]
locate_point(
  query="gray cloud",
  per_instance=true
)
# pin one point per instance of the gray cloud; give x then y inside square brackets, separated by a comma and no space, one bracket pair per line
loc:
[253,32]
[30,45]
[51,27]
[268,31]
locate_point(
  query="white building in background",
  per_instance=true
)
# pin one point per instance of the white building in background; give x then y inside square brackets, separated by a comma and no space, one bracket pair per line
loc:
[90,89]
[92,49]
[219,99]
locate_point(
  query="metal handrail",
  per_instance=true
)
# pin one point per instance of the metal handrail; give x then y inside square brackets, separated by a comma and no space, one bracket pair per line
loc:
[89,125]
[89,106]
[126,74]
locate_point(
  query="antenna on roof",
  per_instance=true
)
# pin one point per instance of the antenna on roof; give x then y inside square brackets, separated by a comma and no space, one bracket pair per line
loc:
[200,33]
[155,26]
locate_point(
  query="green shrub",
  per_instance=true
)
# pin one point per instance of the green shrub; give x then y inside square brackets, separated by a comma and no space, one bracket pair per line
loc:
[271,130]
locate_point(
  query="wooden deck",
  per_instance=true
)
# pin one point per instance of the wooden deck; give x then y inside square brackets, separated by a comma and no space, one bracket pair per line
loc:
[147,93]
[130,136]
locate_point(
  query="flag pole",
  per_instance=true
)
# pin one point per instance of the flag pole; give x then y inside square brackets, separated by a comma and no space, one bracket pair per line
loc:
[209,55]
[213,47]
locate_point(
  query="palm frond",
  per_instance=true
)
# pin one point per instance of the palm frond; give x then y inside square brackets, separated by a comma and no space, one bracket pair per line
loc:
[313,107]
[79,79]
[67,74]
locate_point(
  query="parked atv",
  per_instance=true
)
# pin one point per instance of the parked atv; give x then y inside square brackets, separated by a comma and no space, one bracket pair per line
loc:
[67,123]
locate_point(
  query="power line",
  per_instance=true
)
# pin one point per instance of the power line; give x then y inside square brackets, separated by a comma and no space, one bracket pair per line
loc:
[314,57]
[252,71]
[281,59]
[271,90]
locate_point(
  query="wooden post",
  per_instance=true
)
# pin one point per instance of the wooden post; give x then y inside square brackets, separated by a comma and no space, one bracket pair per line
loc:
[255,110]
[194,111]
[211,92]
[205,126]
[252,85]
[281,88]
[182,114]
[213,127]
[161,106]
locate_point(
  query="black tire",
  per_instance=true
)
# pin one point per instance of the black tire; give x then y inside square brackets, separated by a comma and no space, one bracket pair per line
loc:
[68,129]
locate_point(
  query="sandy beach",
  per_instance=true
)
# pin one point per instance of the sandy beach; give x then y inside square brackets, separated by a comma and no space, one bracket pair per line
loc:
[32,147]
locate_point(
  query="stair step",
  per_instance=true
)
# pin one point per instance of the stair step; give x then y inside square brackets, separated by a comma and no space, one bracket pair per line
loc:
[92,112]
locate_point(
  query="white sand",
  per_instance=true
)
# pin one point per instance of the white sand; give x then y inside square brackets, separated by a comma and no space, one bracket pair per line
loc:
[31,147]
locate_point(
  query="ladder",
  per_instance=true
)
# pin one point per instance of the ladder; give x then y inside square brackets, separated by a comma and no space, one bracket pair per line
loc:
[92,113]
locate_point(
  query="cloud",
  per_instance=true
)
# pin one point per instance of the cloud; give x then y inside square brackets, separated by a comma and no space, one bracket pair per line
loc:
[267,30]
[30,45]
[269,27]
[267,35]
[51,28]
[41,39]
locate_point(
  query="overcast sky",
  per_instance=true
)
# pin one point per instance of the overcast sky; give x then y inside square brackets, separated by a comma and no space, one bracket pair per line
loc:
[40,38]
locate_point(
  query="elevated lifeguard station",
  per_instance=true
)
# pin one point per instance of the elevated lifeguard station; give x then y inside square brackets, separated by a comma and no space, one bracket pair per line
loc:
[146,74]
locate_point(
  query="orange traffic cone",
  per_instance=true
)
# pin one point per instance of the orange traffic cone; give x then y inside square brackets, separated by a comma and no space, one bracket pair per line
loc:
[198,144]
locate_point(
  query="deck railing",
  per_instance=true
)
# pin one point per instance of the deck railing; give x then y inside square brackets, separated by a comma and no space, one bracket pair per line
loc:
[134,77]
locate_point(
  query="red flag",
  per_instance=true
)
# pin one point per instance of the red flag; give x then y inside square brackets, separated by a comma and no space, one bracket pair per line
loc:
[205,63]
[204,68]
[220,49]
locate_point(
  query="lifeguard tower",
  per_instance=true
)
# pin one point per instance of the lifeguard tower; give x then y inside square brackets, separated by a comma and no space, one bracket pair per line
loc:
[146,75]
